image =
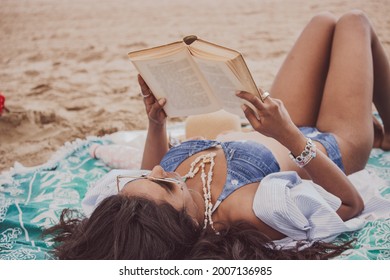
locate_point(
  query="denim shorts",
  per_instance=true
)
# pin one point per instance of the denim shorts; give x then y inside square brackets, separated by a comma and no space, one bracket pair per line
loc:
[328,141]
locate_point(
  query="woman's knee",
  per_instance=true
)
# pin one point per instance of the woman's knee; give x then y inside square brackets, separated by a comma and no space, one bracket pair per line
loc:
[324,19]
[354,20]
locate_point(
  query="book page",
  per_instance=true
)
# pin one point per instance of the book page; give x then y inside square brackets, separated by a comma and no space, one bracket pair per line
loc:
[179,81]
[223,83]
[235,63]
[156,52]
[202,48]
[241,70]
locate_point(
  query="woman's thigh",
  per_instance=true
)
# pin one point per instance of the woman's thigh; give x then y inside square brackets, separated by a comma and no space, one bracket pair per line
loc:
[347,99]
[301,78]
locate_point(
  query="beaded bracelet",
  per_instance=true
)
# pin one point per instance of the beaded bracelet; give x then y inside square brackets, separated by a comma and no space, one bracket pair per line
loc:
[309,152]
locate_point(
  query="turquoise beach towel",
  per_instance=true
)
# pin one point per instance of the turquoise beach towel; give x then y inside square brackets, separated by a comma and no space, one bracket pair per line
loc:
[32,199]
[373,241]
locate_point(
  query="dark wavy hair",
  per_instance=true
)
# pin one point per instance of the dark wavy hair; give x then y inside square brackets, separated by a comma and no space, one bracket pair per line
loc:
[242,241]
[124,227]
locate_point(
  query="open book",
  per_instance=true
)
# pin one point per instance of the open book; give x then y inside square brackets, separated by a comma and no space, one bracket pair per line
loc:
[195,76]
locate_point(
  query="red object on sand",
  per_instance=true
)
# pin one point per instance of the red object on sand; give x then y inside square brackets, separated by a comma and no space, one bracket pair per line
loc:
[2,102]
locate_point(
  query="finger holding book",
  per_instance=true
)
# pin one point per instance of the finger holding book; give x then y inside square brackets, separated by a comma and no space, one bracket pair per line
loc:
[145,90]
[154,108]
[270,118]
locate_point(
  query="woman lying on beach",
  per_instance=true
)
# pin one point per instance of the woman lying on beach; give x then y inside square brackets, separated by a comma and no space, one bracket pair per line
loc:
[245,197]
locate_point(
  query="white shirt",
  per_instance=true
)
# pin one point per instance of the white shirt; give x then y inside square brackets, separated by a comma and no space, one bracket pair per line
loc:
[304,211]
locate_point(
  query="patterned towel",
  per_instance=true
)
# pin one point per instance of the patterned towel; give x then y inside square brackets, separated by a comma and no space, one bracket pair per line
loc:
[373,241]
[33,198]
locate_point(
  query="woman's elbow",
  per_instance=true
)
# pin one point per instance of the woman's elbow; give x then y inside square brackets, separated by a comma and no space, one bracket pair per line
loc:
[359,207]
[351,210]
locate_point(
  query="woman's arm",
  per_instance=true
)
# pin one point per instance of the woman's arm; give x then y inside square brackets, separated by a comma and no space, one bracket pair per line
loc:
[156,144]
[326,174]
[274,121]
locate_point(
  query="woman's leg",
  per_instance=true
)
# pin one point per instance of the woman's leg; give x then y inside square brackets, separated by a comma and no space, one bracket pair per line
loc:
[301,79]
[346,107]
[381,96]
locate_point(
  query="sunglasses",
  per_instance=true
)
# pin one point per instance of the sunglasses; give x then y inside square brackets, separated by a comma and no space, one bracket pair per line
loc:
[167,183]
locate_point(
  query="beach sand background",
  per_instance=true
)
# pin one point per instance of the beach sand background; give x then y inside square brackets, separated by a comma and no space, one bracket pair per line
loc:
[65,73]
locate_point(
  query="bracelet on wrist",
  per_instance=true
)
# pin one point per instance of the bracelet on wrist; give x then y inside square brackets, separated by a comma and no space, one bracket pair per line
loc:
[309,152]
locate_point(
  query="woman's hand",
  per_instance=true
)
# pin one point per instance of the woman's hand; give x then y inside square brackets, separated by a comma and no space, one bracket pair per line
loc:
[154,108]
[270,118]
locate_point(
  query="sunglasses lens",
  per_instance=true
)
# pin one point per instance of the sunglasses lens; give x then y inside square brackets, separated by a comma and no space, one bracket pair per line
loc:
[167,183]
[164,184]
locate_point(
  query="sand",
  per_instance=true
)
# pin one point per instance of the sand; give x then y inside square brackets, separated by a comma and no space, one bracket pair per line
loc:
[65,73]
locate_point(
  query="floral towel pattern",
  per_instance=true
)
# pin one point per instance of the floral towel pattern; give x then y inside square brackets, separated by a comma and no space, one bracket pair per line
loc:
[33,198]
[373,241]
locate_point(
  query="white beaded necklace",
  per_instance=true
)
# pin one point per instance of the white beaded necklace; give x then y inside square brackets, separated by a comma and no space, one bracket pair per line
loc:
[199,164]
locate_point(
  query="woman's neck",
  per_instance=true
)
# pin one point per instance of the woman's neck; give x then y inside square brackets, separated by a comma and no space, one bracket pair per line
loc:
[198,199]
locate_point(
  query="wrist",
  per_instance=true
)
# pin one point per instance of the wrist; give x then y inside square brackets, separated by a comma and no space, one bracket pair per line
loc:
[308,153]
[294,141]
[156,125]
